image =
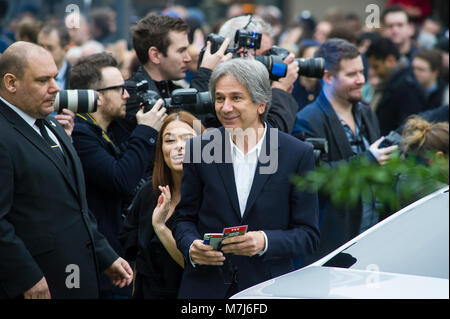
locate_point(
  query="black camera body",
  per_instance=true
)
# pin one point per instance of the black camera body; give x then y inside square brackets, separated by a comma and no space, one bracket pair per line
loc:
[216,41]
[393,138]
[242,39]
[273,60]
[311,68]
[188,99]
[319,144]
[247,39]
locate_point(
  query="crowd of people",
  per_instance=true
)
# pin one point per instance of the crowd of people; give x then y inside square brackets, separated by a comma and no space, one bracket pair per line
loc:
[126,191]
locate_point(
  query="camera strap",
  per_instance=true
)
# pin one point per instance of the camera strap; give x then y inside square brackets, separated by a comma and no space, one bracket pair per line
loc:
[249,21]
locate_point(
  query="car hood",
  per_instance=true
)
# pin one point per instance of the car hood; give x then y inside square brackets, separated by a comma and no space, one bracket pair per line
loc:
[338,283]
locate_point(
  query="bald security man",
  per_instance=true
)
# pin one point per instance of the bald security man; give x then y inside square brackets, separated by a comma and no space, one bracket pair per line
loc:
[49,243]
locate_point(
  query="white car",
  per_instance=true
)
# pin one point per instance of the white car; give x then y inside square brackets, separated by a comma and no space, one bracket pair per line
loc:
[404,256]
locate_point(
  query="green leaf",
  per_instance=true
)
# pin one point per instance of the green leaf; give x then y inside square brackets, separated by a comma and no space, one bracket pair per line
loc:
[346,183]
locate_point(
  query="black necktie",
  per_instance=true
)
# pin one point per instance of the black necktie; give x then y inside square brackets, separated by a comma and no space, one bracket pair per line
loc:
[40,123]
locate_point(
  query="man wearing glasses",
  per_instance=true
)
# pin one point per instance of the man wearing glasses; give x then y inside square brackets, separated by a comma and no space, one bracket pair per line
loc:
[112,171]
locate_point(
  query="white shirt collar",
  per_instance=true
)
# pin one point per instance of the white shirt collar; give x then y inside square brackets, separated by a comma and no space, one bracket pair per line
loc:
[257,148]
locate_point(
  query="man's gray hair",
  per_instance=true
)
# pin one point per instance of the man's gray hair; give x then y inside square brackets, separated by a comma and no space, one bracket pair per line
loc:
[229,28]
[251,74]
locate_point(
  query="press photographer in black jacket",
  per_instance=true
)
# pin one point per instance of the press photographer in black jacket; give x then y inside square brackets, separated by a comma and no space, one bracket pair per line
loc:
[112,170]
[161,44]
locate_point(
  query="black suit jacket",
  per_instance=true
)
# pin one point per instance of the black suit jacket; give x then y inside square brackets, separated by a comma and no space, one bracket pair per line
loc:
[209,203]
[45,225]
[318,119]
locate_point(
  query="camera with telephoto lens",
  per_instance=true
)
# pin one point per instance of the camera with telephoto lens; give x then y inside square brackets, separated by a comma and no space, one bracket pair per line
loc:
[320,146]
[273,60]
[188,99]
[78,101]
[311,68]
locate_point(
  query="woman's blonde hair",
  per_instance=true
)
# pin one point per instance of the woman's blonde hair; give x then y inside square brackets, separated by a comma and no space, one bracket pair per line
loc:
[420,136]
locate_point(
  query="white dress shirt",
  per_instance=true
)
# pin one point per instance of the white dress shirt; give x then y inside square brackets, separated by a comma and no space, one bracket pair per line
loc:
[244,167]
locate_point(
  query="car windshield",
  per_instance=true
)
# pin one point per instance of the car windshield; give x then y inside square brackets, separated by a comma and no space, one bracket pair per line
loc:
[414,243]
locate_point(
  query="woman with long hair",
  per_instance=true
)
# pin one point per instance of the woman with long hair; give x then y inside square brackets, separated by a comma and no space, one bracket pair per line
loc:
[147,237]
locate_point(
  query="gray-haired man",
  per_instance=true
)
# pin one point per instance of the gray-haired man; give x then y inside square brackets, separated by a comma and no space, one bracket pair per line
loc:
[229,186]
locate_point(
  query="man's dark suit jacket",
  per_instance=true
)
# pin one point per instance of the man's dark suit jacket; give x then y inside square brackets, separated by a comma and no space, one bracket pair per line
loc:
[209,203]
[318,119]
[45,225]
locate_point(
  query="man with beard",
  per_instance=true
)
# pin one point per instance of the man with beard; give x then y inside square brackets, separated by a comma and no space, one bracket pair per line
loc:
[112,170]
[351,129]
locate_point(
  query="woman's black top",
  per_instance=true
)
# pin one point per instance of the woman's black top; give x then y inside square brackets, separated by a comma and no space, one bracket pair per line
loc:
[157,273]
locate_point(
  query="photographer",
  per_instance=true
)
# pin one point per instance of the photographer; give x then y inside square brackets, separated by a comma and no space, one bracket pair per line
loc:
[161,44]
[112,171]
[350,129]
[283,106]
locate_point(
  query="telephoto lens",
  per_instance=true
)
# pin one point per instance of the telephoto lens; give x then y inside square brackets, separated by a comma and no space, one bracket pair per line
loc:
[312,68]
[274,64]
[78,101]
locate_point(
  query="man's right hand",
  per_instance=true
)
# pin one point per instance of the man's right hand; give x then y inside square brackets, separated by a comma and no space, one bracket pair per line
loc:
[153,118]
[382,154]
[287,83]
[38,291]
[202,254]
[210,61]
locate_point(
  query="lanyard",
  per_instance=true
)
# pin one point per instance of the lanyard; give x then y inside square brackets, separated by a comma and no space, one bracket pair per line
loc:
[105,136]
